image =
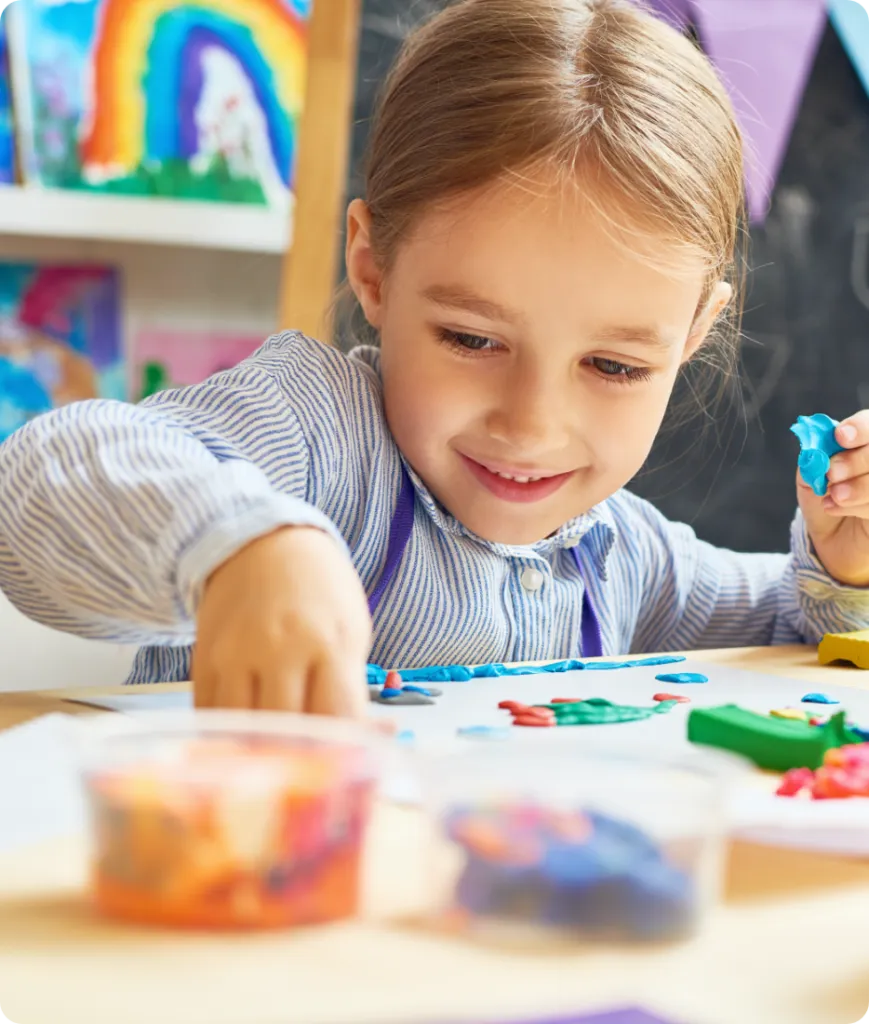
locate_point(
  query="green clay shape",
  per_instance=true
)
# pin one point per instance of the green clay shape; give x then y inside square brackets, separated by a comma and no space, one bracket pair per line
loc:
[597,711]
[774,744]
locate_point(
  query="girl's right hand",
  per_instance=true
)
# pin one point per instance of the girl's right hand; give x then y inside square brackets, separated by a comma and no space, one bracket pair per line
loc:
[284,625]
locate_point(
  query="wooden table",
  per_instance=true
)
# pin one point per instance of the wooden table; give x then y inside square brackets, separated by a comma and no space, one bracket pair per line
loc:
[789,945]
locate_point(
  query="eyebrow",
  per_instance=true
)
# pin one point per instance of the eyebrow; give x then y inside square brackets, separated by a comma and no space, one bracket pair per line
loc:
[642,335]
[457,297]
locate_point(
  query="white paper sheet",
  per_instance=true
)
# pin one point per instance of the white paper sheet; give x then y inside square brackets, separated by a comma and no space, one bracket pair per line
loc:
[40,795]
[756,813]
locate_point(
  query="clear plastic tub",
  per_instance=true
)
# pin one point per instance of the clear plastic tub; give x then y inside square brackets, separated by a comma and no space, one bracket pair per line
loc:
[564,843]
[221,820]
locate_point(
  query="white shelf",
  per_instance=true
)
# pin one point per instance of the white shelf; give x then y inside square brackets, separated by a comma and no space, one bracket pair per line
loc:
[54,213]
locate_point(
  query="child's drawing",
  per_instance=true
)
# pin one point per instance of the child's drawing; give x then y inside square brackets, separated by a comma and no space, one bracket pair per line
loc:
[197,100]
[60,339]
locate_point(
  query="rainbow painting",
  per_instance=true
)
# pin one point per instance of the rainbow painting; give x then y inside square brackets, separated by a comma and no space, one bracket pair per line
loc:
[194,99]
[60,339]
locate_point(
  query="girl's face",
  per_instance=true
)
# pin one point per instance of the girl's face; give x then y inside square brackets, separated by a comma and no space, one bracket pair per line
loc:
[528,354]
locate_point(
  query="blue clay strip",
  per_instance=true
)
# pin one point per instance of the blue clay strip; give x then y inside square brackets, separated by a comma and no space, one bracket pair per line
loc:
[819,698]
[682,677]
[818,444]
[462,673]
[418,689]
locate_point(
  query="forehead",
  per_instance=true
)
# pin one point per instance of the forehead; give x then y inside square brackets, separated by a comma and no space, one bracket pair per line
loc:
[540,247]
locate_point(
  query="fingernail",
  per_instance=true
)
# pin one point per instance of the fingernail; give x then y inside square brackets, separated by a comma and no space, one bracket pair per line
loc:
[841,492]
[848,433]
[829,504]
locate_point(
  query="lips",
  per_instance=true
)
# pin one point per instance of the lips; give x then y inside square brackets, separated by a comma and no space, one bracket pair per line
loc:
[516,486]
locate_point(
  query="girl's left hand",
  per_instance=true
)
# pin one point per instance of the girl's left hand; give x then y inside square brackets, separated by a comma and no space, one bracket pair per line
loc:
[838,523]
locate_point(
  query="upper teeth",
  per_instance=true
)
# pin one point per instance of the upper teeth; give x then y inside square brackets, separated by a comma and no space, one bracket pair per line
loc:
[518,479]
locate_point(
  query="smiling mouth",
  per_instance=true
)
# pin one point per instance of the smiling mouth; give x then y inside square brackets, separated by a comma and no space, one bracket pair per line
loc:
[516,486]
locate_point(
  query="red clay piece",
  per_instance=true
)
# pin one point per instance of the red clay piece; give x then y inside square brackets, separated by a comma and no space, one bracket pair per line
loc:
[534,722]
[393,681]
[566,700]
[672,696]
[511,705]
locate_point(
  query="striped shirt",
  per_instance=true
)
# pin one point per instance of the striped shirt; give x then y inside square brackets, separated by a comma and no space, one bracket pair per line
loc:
[113,515]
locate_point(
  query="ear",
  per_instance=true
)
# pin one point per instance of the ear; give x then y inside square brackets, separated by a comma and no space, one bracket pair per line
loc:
[363,271]
[721,295]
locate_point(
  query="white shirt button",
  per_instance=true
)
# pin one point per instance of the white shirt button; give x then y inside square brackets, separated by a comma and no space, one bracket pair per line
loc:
[573,542]
[531,580]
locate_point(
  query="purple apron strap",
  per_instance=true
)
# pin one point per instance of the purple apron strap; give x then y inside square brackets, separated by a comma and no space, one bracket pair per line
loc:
[592,644]
[399,535]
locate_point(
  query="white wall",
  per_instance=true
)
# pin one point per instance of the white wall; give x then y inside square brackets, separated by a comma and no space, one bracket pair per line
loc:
[164,287]
[35,658]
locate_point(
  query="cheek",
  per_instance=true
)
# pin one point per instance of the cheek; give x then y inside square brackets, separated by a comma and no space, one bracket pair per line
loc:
[626,426]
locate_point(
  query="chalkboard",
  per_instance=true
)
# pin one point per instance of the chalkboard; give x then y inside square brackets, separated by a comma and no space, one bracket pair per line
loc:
[806,325]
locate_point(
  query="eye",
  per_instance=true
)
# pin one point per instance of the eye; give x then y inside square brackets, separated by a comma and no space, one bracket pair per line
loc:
[467,343]
[619,373]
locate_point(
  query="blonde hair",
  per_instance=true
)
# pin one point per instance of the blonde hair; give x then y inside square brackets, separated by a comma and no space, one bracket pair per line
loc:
[599,88]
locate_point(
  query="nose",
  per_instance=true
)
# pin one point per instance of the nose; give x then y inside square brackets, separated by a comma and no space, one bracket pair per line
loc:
[531,415]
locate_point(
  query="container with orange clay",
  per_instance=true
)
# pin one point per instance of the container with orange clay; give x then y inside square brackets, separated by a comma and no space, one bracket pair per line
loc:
[228,820]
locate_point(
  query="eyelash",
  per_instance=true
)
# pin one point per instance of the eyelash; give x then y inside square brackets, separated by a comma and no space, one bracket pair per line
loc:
[623,373]
[462,342]
[610,370]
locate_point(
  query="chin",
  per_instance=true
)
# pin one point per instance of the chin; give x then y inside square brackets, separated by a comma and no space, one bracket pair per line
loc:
[514,534]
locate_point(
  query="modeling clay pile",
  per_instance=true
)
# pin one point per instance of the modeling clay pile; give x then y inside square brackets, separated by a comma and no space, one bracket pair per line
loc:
[568,711]
[232,831]
[568,870]
[844,773]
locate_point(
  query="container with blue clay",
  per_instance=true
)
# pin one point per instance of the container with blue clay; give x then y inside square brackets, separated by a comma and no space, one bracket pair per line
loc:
[571,844]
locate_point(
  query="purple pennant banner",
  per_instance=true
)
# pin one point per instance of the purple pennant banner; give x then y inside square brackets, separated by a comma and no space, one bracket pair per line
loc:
[764,53]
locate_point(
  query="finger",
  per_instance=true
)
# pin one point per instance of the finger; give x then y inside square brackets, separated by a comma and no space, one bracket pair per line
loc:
[338,689]
[832,510]
[204,682]
[849,464]
[234,690]
[854,431]
[283,690]
[851,494]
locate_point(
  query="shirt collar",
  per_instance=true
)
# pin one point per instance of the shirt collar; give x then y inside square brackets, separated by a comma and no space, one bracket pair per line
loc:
[595,530]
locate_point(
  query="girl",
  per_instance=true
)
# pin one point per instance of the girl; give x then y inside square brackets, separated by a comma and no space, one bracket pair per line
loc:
[550,230]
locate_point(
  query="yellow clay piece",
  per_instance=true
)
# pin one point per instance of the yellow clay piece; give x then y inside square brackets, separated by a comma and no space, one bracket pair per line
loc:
[853,647]
[794,713]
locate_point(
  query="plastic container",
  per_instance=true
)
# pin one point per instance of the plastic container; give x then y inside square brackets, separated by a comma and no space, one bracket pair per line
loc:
[554,843]
[225,820]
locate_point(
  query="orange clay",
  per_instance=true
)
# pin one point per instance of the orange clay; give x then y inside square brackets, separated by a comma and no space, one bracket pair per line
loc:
[232,835]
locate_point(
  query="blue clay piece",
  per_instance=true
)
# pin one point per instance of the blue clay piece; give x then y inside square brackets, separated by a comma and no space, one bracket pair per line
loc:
[818,444]
[388,691]
[819,698]
[682,677]
[462,673]
[437,674]
[486,732]
[418,689]
[861,734]
[405,736]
